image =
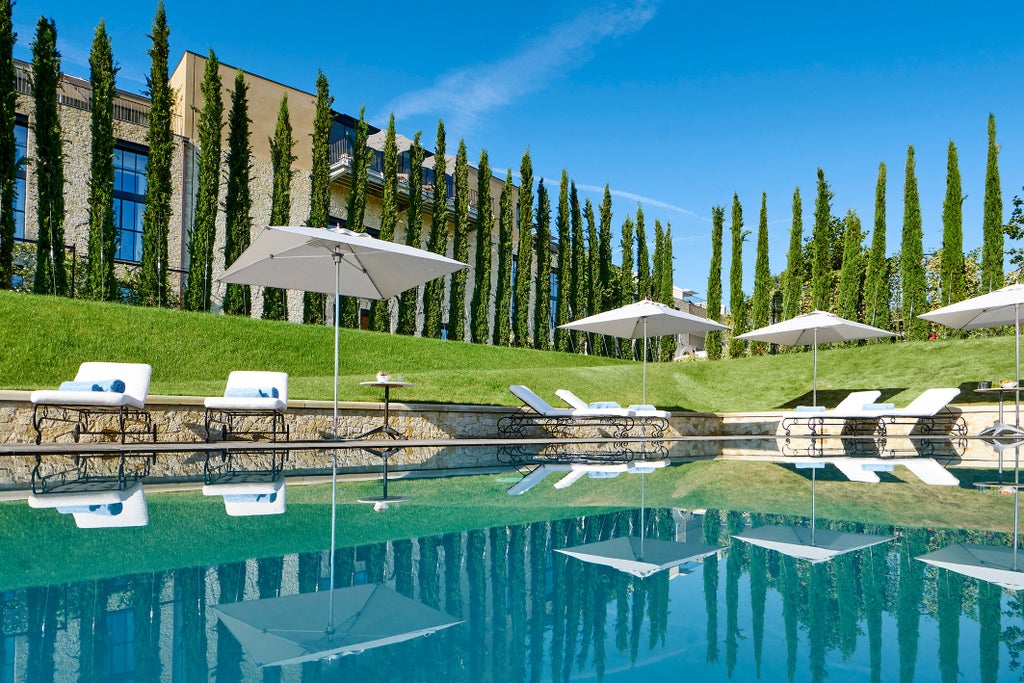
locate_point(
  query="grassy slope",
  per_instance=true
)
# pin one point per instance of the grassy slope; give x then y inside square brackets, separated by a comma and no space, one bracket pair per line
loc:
[192,353]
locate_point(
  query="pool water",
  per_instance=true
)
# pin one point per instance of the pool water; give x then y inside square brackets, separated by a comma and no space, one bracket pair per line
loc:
[525,612]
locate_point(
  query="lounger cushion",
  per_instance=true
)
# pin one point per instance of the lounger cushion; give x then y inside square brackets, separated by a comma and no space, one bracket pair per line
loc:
[113,507]
[251,498]
[243,384]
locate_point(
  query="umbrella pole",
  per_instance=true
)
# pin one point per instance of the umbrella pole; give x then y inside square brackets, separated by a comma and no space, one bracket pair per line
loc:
[645,361]
[334,458]
[814,385]
[814,479]
[1016,347]
[642,502]
[1016,497]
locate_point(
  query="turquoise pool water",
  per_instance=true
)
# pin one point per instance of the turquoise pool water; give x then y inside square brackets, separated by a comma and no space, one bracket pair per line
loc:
[526,612]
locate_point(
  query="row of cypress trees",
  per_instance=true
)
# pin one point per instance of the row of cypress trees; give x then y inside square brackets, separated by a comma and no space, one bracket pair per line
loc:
[587,283]
[857,282]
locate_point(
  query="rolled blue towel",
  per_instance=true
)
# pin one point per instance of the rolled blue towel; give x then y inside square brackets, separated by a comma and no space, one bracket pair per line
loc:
[115,385]
[603,405]
[879,406]
[642,407]
[250,498]
[106,510]
[79,386]
[251,392]
[810,409]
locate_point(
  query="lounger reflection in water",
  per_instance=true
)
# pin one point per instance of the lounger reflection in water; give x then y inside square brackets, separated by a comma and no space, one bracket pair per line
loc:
[576,471]
[245,498]
[98,507]
[865,470]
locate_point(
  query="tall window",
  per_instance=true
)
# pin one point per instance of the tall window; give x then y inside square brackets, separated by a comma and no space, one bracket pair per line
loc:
[129,199]
[119,657]
[20,154]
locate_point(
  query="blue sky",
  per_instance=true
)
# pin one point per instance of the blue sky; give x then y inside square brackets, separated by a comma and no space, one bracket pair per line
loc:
[676,105]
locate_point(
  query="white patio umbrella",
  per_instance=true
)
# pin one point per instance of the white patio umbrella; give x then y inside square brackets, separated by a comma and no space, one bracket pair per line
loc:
[336,261]
[292,629]
[813,328]
[641,320]
[1001,307]
[806,544]
[995,564]
[809,543]
[639,557]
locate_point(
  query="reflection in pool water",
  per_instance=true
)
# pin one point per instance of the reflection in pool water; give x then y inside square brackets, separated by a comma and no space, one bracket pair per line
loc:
[531,614]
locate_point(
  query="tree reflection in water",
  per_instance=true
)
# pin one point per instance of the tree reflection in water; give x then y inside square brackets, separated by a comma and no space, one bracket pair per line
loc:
[532,614]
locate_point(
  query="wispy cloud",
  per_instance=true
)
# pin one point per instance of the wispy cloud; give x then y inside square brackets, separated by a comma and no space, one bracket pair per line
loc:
[466,94]
[646,201]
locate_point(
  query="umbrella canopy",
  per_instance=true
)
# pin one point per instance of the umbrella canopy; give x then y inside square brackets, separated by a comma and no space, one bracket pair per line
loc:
[335,261]
[638,556]
[813,328]
[641,320]
[294,628]
[995,564]
[1001,307]
[807,544]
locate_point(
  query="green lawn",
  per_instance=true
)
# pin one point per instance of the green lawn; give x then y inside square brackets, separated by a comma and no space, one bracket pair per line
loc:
[192,353]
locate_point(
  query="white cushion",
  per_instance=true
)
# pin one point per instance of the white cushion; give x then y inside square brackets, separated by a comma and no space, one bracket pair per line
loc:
[136,387]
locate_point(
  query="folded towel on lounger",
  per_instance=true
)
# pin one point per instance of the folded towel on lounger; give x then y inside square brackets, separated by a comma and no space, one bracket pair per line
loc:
[642,407]
[810,409]
[600,405]
[879,406]
[251,392]
[114,385]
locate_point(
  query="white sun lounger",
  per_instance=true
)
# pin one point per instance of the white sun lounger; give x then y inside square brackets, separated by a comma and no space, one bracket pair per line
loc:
[245,498]
[250,394]
[578,403]
[620,421]
[98,508]
[78,407]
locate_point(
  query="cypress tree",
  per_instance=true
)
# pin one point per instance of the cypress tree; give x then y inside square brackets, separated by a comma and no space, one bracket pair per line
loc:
[627,282]
[760,303]
[793,280]
[821,269]
[503,294]
[713,340]
[102,237]
[8,149]
[320,188]
[580,270]
[851,274]
[524,267]
[606,288]
[437,239]
[275,306]
[156,217]
[348,306]
[992,222]
[669,343]
[915,301]
[657,289]
[876,279]
[200,247]
[737,302]
[593,272]
[237,197]
[480,305]
[565,271]
[644,288]
[413,234]
[50,276]
[542,247]
[460,247]
[951,263]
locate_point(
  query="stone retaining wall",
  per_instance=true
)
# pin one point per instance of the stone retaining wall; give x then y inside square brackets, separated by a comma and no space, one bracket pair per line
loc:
[181,419]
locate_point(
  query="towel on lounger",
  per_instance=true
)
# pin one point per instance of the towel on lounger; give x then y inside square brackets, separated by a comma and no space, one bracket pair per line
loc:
[810,409]
[114,385]
[251,392]
[600,405]
[879,406]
